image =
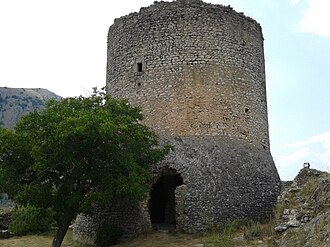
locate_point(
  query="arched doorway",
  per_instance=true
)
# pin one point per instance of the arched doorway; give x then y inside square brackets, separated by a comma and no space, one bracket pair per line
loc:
[162,199]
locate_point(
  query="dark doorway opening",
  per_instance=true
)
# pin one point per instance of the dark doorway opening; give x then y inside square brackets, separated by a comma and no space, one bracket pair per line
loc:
[162,200]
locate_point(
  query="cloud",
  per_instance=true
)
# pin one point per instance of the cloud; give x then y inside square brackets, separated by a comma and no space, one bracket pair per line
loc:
[324,139]
[297,144]
[295,1]
[294,157]
[316,18]
[315,150]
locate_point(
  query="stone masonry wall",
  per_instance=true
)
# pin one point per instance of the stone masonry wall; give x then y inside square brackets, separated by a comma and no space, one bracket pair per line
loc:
[197,71]
[194,68]
[224,179]
[131,218]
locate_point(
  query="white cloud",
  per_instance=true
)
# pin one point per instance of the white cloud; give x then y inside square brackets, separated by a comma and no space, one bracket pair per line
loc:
[295,1]
[293,158]
[297,144]
[323,139]
[316,18]
[315,150]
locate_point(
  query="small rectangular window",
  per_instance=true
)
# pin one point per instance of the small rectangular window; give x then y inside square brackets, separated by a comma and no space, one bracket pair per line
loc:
[139,67]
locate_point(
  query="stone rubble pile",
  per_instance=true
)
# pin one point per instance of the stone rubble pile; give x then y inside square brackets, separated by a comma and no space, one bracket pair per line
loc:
[304,210]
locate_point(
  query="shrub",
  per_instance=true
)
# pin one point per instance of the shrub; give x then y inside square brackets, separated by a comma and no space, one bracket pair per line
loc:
[108,234]
[31,219]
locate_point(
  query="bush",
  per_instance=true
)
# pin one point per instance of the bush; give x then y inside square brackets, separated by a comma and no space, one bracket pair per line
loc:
[31,219]
[108,234]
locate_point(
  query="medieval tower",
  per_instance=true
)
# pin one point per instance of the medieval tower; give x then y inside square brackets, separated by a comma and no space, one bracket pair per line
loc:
[197,70]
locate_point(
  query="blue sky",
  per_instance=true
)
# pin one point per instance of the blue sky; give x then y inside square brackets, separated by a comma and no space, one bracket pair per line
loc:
[297,52]
[61,45]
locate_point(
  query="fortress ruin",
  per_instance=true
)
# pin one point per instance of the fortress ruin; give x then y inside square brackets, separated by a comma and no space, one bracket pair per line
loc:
[198,72]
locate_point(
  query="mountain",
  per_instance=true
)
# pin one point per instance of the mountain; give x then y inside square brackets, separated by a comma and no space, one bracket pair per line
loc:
[17,102]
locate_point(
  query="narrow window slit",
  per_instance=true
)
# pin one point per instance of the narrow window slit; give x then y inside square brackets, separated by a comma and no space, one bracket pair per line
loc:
[139,67]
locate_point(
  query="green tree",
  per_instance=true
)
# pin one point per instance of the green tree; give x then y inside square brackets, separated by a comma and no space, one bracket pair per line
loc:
[77,152]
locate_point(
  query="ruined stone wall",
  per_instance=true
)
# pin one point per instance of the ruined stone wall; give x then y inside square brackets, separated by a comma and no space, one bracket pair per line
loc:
[197,71]
[194,68]
[131,218]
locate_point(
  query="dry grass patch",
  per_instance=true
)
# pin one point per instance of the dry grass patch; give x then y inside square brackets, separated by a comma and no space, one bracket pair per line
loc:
[153,239]
[43,240]
[159,239]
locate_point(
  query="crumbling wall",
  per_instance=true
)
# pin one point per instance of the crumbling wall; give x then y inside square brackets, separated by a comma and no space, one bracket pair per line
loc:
[131,218]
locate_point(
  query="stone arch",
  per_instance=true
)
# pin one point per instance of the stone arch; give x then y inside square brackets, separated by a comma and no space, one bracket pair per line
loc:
[163,198]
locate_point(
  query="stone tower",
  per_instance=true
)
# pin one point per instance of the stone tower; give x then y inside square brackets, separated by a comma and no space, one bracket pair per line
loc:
[197,70]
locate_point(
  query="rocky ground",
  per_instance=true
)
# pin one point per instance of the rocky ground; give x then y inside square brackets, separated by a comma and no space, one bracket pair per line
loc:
[303,210]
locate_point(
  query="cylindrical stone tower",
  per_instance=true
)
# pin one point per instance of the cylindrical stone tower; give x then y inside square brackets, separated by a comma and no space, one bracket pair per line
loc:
[194,68]
[197,71]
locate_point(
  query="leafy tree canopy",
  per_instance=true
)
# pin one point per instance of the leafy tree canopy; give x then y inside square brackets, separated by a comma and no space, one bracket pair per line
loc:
[76,152]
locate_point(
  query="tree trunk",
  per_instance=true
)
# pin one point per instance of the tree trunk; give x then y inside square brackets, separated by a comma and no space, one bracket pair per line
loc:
[62,229]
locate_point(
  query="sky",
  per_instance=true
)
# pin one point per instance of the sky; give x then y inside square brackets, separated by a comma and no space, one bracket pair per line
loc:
[61,46]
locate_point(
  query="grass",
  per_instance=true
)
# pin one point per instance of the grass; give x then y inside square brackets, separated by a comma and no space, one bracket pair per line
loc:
[164,240]
[217,237]
[252,230]
[221,235]
[309,188]
[146,240]
[42,240]
[250,234]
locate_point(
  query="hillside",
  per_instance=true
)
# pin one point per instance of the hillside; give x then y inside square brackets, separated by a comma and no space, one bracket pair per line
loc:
[16,102]
[303,210]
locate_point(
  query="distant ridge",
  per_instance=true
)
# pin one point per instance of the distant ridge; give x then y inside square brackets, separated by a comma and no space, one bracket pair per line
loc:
[16,102]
